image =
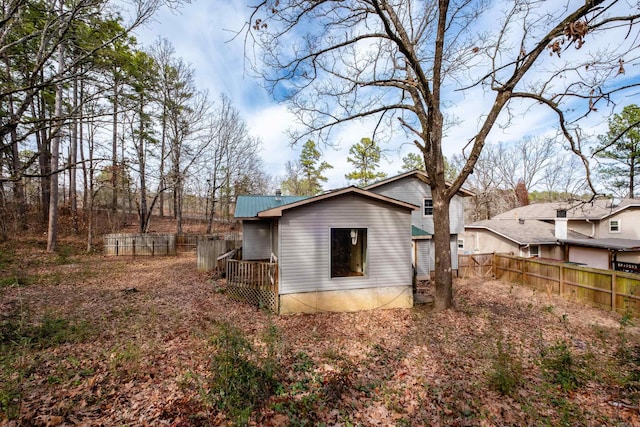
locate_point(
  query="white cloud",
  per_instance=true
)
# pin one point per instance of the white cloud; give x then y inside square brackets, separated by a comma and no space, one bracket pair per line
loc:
[202,34]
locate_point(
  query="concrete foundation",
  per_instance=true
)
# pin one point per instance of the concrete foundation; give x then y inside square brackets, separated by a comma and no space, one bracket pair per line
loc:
[347,300]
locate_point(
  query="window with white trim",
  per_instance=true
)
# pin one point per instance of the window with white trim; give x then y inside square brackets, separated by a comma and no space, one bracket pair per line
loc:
[460,243]
[427,207]
[348,252]
[614,226]
[534,251]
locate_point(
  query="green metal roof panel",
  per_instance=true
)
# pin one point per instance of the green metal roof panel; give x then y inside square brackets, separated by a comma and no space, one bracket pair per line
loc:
[419,232]
[249,206]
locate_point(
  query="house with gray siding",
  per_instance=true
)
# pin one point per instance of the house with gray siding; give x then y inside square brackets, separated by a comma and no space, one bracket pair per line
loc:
[413,187]
[600,233]
[344,250]
[520,237]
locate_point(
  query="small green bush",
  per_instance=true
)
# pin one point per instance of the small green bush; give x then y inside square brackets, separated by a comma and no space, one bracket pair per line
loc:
[242,381]
[563,368]
[506,373]
[64,254]
[51,331]
[303,363]
[9,398]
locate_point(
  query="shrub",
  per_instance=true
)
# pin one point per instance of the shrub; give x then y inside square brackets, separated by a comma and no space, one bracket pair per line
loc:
[506,374]
[241,380]
[562,368]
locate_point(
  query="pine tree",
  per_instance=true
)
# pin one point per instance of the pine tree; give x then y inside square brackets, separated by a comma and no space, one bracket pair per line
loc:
[365,157]
[620,148]
[304,177]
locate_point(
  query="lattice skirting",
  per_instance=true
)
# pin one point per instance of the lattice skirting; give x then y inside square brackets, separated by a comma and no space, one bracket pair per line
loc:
[258,297]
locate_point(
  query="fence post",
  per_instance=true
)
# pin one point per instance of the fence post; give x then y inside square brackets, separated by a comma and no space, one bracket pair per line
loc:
[134,246]
[561,278]
[614,286]
[493,265]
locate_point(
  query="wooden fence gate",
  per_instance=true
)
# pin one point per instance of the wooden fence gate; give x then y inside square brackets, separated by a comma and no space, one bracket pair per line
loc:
[475,265]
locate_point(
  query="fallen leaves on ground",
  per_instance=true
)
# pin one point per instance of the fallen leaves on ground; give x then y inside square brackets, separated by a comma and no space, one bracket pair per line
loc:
[143,357]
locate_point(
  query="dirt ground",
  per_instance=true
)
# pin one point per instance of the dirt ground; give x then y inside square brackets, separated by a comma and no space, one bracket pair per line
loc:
[138,337]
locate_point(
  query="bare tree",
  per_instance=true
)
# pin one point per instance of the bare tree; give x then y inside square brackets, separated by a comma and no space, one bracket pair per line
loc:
[563,178]
[488,185]
[396,62]
[524,161]
[231,154]
[52,230]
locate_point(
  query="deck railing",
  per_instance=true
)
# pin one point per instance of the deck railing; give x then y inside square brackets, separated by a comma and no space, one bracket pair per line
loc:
[255,282]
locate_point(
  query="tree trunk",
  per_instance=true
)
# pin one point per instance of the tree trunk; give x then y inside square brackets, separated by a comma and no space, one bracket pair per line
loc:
[163,150]
[141,162]
[114,152]
[632,176]
[442,247]
[212,190]
[178,206]
[73,158]
[86,191]
[18,185]
[52,232]
[90,197]
[15,166]
[44,157]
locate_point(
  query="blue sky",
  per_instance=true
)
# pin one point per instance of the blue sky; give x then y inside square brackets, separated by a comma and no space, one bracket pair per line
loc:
[202,34]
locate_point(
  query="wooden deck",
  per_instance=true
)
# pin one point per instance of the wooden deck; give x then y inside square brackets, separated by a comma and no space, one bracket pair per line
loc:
[254,282]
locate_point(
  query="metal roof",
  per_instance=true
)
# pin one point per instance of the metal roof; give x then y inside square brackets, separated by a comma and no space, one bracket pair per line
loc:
[352,190]
[249,206]
[419,232]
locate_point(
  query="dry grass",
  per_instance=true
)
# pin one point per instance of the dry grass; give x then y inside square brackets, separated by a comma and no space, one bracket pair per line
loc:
[92,340]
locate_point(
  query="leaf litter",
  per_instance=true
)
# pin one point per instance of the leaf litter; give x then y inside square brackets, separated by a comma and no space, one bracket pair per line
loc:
[145,356]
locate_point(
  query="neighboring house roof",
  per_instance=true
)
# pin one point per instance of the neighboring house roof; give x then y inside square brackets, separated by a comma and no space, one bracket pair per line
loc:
[421,175]
[419,232]
[523,232]
[595,210]
[615,244]
[278,210]
[249,206]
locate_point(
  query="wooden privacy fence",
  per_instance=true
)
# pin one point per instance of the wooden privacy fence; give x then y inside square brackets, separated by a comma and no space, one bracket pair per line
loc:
[209,250]
[475,265]
[158,244]
[139,244]
[253,282]
[189,242]
[613,290]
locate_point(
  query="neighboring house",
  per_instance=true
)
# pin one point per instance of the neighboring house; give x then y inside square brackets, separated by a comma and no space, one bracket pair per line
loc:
[340,251]
[525,238]
[413,187]
[608,254]
[600,219]
[603,233]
